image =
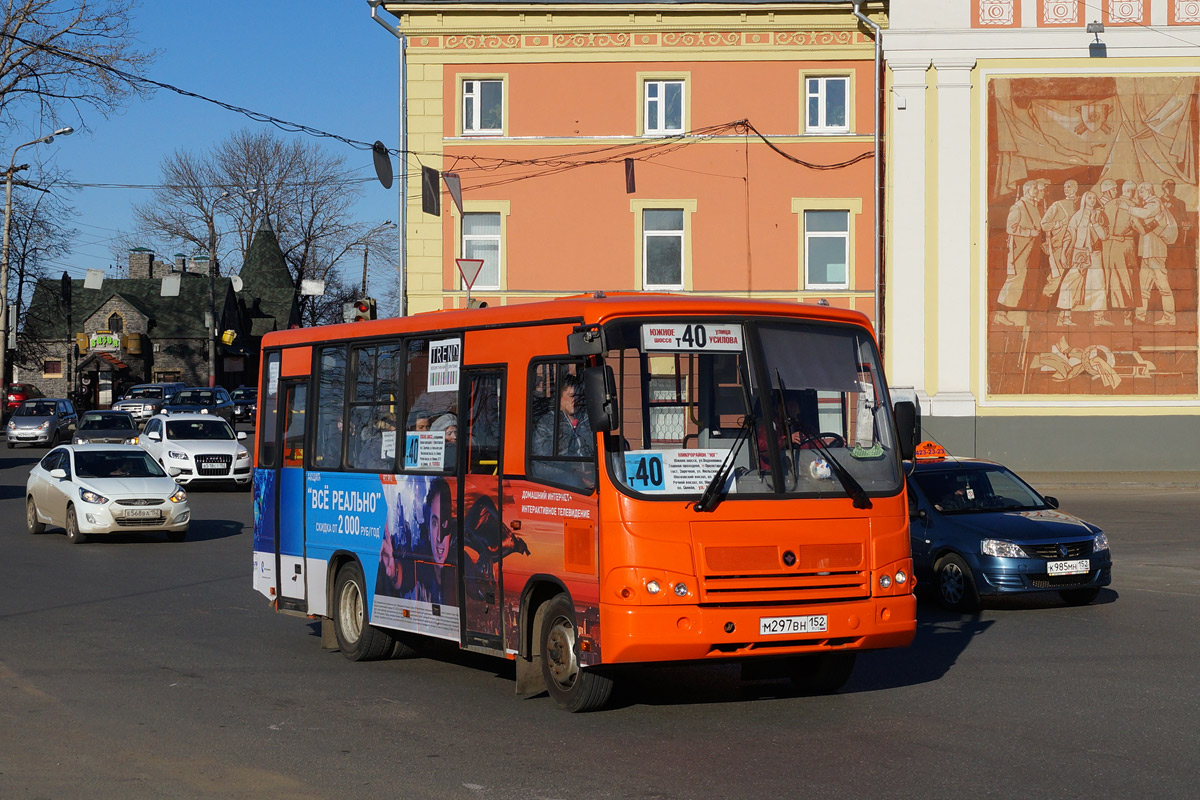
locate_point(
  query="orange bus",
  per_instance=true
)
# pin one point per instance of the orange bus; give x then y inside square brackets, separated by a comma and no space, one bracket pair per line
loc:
[587,484]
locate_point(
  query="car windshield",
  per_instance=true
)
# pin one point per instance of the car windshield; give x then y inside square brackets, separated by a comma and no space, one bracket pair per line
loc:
[106,422]
[199,430]
[146,391]
[801,406]
[116,464]
[977,488]
[242,394]
[35,410]
[195,398]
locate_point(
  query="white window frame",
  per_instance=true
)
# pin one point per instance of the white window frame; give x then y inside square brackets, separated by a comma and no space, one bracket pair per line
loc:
[680,234]
[660,101]
[498,238]
[472,89]
[810,235]
[822,125]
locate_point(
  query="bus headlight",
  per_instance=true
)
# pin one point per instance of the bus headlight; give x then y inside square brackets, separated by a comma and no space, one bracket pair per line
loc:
[885,581]
[652,587]
[681,589]
[901,578]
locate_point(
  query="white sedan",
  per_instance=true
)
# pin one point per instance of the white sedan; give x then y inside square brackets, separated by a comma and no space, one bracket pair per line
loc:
[202,447]
[91,489]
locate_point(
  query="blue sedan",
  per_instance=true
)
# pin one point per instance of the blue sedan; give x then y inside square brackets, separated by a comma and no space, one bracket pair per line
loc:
[979,530]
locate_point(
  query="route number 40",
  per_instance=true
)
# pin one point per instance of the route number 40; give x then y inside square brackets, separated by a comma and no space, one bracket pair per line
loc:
[644,472]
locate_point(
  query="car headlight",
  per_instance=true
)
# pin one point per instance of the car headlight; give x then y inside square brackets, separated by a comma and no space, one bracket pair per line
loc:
[179,454]
[78,440]
[243,454]
[131,440]
[12,426]
[178,496]
[88,496]
[44,425]
[1099,543]
[204,411]
[1001,548]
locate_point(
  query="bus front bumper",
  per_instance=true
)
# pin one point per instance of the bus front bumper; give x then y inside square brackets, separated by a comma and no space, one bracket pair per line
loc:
[632,634]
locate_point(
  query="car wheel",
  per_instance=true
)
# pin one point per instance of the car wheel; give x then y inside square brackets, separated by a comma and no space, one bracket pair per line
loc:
[74,535]
[1079,597]
[955,585]
[822,673]
[31,517]
[572,687]
[357,638]
[177,536]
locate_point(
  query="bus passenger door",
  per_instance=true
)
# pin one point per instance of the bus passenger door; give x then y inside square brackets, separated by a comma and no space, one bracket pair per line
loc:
[289,497]
[484,538]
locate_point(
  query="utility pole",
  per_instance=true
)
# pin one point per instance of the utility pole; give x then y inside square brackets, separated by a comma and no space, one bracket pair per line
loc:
[8,178]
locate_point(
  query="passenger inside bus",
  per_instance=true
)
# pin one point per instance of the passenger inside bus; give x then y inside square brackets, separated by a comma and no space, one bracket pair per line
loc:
[448,423]
[564,432]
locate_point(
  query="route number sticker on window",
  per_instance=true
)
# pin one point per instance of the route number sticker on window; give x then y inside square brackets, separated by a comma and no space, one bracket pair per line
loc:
[705,336]
[671,471]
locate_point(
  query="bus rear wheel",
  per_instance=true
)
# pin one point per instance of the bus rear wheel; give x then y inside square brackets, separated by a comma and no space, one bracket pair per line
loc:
[357,639]
[573,688]
[823,673]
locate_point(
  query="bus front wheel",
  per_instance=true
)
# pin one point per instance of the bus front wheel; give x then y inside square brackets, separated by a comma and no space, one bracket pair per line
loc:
[573,688]
[357,639]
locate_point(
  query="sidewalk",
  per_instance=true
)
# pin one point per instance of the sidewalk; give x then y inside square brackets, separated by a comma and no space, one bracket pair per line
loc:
[1159,480]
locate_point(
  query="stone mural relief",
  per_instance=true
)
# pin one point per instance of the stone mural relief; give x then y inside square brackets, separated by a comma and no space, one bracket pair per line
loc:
[1091,236]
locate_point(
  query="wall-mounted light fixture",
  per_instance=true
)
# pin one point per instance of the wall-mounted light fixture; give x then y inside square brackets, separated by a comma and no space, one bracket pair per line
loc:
[1097,48]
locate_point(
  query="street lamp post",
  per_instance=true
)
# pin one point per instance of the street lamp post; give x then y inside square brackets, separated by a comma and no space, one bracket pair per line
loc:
[213,325]
[8,179]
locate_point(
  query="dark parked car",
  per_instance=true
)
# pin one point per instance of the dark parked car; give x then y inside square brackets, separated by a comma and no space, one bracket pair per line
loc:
[106,427]
[146,399]
[979,530]
[201,401]
[18,393]
[245,403]
[44,421]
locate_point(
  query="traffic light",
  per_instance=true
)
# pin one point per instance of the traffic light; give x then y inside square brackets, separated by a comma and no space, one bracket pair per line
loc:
[359,310]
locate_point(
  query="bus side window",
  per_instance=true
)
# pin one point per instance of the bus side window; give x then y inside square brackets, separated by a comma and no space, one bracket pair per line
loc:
[269,394]
[562,445]
[329,429]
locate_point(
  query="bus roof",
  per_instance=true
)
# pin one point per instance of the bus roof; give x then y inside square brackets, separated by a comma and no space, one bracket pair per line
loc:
[592,308]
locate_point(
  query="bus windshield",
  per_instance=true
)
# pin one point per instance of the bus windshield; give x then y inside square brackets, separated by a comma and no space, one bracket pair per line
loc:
[795,408]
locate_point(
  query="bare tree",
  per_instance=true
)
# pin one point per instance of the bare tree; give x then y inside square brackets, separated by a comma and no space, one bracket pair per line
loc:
[36,238]
[57,55]
[303,190]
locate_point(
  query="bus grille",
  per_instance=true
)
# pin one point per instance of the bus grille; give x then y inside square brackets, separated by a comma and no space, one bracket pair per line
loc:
[756,574]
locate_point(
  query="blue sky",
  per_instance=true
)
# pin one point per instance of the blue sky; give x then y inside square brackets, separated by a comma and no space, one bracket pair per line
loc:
[321,63]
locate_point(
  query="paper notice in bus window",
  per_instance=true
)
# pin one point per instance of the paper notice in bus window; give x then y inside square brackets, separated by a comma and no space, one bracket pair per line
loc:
[671,471]
[445,356]
[424,449]
[697,336]
[388,446]
[273,378]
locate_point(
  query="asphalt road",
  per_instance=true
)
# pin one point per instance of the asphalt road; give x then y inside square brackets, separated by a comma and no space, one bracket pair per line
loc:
[138,668]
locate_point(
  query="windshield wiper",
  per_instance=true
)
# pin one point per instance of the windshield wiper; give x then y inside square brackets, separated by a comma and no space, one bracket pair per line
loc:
[712,495]
[852,486]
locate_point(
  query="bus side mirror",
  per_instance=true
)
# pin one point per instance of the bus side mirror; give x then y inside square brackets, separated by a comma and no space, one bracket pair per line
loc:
[600,391]
[586,340]
[908,429]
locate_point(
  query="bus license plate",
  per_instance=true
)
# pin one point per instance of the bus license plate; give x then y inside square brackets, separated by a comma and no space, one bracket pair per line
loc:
[142,513]
[776,626]
[1076,567]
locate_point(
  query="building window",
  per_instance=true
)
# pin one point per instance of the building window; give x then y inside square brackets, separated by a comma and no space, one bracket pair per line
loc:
[663,108]
[826,249]
[483,107]
[116,323]
[662,248]
[52,368]
[481,239]
[827,103]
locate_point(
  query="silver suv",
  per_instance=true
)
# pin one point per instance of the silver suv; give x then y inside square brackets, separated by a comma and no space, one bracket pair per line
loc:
[147,399]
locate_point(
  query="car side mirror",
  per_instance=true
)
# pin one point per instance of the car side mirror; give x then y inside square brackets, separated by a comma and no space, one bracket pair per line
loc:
[154,436]
[241,436]
[58,474]
[1050,501]
[174,472]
